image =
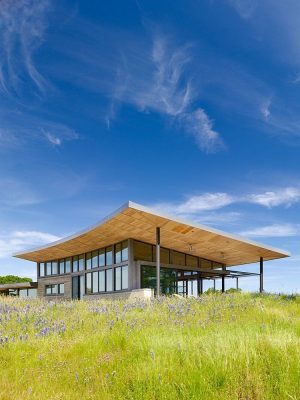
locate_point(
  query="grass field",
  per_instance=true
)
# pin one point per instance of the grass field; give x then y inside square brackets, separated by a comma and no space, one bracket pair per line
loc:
[221,346]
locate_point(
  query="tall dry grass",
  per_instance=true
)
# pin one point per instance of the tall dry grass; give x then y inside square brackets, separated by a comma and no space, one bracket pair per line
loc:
[230,346]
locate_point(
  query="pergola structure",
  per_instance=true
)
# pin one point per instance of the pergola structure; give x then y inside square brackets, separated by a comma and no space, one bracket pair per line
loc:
[136,222]
[220,273]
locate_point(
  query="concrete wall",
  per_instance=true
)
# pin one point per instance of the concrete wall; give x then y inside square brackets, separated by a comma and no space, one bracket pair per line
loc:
[128,295]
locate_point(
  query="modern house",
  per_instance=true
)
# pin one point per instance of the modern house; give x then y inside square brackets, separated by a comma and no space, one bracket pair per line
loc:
[136,251]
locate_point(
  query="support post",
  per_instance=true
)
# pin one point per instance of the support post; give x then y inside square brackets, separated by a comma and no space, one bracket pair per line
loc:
[214,285]
[200,286]
[157,261]
[237,283]
[261,274]
[223,280]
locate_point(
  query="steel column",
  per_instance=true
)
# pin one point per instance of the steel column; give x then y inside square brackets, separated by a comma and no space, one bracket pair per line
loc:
[223,280]
[261,274]
[237,283]
[157,261]
[200,286]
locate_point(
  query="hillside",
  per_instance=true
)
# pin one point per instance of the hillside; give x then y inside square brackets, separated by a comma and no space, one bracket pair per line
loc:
[230,346]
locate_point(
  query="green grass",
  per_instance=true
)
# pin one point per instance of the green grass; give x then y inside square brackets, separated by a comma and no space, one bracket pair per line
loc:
[230,346]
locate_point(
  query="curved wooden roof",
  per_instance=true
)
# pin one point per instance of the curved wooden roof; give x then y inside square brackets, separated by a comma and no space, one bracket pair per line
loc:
[138,222]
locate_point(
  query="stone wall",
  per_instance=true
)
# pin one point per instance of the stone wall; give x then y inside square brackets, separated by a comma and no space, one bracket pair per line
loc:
[53,280]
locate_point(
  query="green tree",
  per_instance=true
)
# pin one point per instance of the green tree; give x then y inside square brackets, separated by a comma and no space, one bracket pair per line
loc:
[13,279]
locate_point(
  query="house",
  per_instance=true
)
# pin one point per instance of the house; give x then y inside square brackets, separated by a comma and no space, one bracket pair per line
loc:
[21,289]
[138,252]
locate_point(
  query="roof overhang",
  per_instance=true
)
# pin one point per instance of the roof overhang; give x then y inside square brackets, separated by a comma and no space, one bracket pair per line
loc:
[138,222]
[18,285]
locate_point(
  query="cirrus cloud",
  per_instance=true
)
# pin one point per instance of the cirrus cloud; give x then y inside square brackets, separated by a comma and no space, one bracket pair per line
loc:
[275,230]
[15,241]
[22,29]
[286,196]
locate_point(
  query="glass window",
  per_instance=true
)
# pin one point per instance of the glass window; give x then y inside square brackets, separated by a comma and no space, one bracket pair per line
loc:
[88,283]
[101,257]
[62,266]
[118,279]
[48,268]
[118,253]
[125,277]
[109,280]
[68,265]
[167,279]
[95,282]
[32,293]
[177,258]
[42,269]
[125,250]
[54,268]
[81,262]
[109,258]
[23,293]
[216,265]
[142,251]
[205,264]
[191,261]
[54,289]
[48,289]
[88,260]
[75,264]
[101,281]
[164,256]
[82,288]
[95,259]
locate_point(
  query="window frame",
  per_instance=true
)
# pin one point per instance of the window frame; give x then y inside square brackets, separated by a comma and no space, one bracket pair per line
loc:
[58,292]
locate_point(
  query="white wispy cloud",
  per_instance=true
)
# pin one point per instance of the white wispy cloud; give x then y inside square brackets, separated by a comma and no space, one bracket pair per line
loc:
[19,127]
[215,218]
[204,208]
[22,29]
[240,91]
[285,196]
[15,241]
[265,109]
[56,141]
[167,90]
[154,73]
[245,8]
[276,230]
[57,134]
[196,204]
[23,25]
[200,126]
[15,193]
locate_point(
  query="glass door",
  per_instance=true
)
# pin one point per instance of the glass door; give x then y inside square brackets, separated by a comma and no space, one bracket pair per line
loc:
[75,287]
[81,286]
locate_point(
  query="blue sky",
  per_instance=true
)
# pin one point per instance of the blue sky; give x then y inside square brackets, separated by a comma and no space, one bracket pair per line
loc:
[190,107]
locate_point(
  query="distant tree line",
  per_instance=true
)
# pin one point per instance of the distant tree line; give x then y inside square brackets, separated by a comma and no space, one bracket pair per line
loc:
[13,279]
